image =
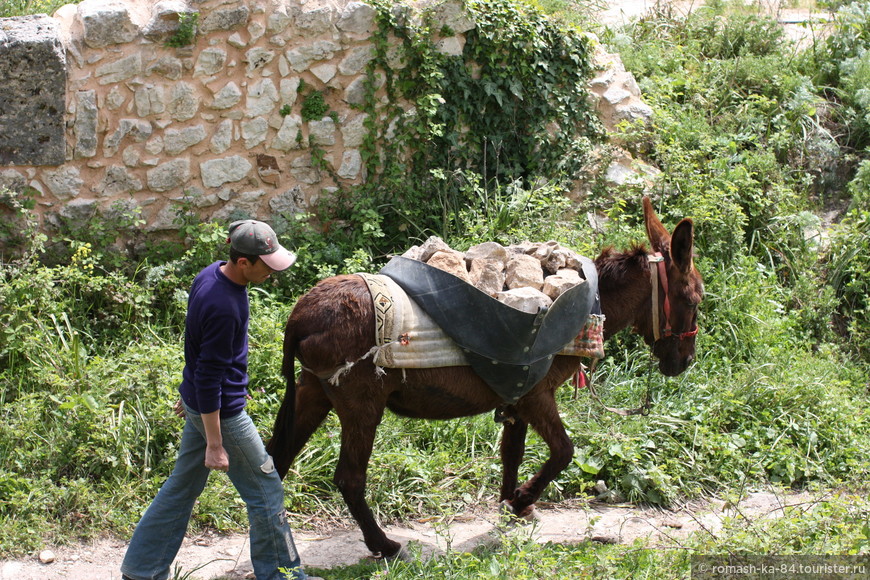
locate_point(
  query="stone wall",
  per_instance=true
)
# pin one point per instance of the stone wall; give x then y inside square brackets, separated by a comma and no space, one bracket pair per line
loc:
[217,122]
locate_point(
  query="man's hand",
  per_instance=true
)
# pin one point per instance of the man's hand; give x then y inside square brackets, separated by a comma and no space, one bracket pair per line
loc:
[215,454]
[216,458]
[179,409]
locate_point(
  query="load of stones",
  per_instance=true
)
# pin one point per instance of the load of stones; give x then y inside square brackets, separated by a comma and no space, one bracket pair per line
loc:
[527,276]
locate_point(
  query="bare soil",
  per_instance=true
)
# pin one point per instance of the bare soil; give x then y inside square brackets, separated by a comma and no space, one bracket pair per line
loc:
[211,556]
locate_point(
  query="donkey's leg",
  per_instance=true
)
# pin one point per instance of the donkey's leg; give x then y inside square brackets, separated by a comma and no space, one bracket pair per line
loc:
[357,439]
[311,408]
[539,410]
[513,447]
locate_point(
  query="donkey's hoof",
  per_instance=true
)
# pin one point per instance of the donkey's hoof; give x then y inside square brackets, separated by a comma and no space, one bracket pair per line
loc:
[527,514]
[401,554]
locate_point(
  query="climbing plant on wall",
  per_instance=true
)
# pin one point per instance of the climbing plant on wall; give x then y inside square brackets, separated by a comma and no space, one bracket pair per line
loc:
[511,108]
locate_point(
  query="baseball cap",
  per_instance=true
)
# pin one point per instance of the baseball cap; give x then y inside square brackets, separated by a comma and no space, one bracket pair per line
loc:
[258,239]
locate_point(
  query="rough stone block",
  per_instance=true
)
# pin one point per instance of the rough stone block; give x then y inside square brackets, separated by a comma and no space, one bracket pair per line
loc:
[32,91]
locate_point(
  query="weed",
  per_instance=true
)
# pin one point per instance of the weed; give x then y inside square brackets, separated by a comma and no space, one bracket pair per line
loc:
[185,34]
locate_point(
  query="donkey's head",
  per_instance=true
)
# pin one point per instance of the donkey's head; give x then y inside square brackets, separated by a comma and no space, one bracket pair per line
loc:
[676,291]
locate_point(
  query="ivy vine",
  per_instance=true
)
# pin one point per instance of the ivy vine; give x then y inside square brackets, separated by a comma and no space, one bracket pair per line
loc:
[512,108]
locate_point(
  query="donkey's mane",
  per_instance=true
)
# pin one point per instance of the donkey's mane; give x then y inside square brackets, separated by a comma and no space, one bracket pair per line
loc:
[613,264]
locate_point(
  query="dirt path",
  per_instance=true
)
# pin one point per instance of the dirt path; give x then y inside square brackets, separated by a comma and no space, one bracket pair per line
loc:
[215,556]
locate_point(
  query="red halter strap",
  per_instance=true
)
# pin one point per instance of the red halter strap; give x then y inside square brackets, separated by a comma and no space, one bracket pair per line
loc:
[658,274]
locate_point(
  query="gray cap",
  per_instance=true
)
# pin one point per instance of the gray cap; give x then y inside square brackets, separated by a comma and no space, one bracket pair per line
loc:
[258,239]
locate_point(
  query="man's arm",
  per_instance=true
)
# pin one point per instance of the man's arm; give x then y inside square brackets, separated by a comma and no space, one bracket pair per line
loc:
[215,454]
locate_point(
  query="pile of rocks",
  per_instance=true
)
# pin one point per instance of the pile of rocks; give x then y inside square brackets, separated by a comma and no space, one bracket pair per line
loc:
[526,276]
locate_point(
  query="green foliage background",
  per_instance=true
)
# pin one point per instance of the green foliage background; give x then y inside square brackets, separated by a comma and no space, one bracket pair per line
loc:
[756,141]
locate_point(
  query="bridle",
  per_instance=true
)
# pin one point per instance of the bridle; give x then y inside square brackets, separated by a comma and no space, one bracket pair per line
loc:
[658,275]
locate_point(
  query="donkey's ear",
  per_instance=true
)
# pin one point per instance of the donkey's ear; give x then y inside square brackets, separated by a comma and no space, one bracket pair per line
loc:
[682,243]
[655,231]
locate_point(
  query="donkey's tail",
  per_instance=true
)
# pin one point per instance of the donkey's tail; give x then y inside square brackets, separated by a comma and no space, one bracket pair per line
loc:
[281,443]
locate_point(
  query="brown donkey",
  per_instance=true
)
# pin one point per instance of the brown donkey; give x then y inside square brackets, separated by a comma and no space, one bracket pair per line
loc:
[656,293]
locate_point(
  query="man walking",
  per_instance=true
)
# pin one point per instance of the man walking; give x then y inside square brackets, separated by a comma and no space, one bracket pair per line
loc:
[218,433]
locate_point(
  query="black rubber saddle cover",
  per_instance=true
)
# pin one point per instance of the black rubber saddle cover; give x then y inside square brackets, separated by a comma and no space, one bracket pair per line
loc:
[509,349]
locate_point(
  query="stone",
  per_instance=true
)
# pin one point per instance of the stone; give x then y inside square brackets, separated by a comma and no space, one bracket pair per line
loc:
[169,67]
[452,15]
[267,169]
[355,93]
[633,111]
[556,284]
[222,138]
[353,131]
[149,100]
[118,181]
[257,58]
[450,261]
[235,40]
[119,70]
[130,156]
[85,125]
[79,212]
[262,98]
[311,22]
[64,182]
[324,72]
[351,164]
[615,95]
[106,22]
[489,251]
[278,20]
[210,61]
[225,19]
[524,270]
[413,253]
[247,203]
[183,102]
[115,99]
[33,79]
[322,132]
[177,140]
[357,18]
[12,180]
[164,219]
[168,176]
[165,19]
[137,129]
[431,245]
[525,299]
[356,60]
[486,275]
[288,137]
[217,172]
[451,46]
[154,146]
[288,91]
[288,203]
[302,170]
[227,97]
[254,131]
[300,58]
[256,31]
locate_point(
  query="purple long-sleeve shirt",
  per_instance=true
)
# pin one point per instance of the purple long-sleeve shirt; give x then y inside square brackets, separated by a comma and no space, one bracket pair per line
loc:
[216,344]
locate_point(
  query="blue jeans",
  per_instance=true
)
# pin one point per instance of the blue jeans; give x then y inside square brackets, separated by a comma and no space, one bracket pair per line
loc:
[159,534]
